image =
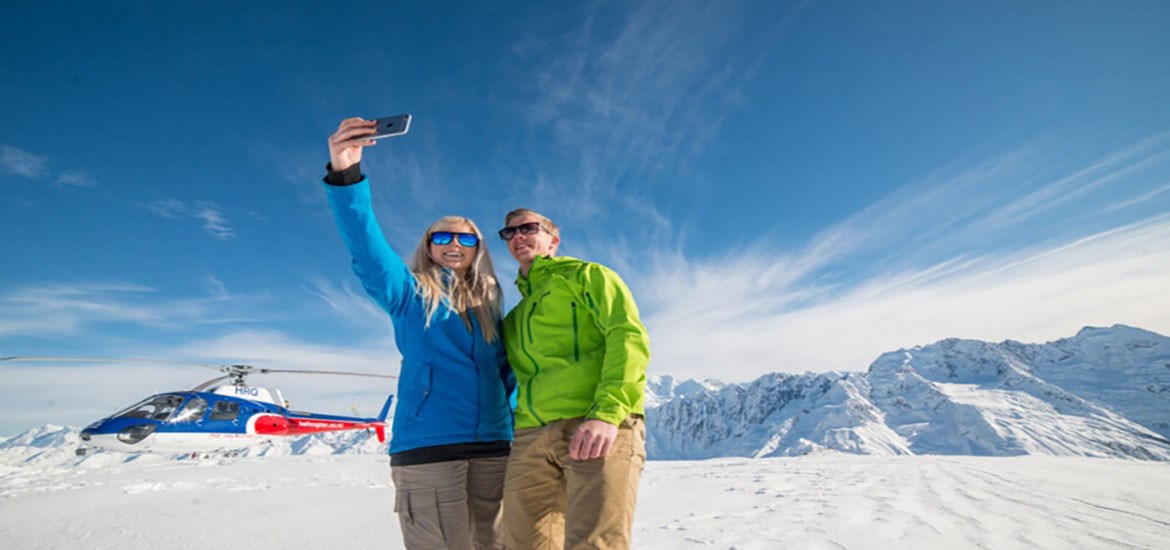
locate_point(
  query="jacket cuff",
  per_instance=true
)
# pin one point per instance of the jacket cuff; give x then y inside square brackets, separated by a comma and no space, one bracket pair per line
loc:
[349,176]
[612,416]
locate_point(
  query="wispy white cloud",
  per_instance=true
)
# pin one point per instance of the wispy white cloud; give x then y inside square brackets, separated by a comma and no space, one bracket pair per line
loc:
[167,208]
[17,161]
[59,310]
[960,212]
[629,96]
[1038,294]
[215,286]
[1140,199]
[907,229]
[215,221]
[63,309]
[1111,169]
[956,254]
[302,168]
[353,307]
[23,163]
[952,205]
[76,178]
[409,190]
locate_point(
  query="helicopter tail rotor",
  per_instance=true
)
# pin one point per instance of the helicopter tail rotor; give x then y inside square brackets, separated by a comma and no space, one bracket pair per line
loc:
[386,408]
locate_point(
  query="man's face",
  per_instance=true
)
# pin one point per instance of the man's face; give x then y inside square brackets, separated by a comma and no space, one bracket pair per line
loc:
[526,248]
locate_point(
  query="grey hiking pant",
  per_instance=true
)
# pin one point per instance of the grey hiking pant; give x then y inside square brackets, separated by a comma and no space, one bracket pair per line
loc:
[453,504]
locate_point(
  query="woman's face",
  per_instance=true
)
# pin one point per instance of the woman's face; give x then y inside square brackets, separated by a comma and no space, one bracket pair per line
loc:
[453,255]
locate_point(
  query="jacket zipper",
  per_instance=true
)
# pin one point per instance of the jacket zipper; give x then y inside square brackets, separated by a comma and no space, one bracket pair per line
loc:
[576,345]
[527,326]
[478,383]
[592,306]
[528,321]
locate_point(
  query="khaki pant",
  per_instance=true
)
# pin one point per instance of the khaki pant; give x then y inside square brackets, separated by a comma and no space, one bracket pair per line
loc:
[552,501]
[453,504]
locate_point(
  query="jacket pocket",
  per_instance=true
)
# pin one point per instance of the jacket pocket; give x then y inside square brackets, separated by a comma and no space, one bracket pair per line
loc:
[424,389]
[402,505]
[420,519]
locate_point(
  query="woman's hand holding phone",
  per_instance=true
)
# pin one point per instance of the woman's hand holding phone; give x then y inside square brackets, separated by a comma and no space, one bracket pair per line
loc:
[345,145]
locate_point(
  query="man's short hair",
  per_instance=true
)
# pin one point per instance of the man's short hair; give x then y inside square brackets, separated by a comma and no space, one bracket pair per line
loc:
[548,224]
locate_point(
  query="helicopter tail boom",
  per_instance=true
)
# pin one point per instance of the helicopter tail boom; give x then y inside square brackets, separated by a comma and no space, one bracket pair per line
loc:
[272,424]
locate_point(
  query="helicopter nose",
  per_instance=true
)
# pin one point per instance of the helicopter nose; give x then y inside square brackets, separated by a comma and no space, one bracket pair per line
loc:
[92,429]
[134,434]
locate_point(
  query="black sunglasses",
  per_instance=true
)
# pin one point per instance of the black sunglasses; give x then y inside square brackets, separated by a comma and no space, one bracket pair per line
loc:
[526,228]
[466,240]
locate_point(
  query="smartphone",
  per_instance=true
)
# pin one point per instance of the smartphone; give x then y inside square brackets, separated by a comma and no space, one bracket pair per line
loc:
[391,126]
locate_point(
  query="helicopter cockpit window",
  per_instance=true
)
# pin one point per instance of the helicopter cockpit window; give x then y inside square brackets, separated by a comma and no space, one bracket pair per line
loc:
[159,407]
[225,410]
[192,411]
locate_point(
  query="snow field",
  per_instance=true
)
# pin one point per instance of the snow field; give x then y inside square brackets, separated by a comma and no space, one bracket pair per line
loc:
[827,501]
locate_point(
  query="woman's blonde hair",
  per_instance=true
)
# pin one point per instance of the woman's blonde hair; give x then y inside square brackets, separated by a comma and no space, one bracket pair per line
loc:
[477,293]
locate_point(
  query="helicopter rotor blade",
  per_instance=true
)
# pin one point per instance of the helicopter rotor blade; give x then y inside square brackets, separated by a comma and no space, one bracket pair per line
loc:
[230,369]
[212,382]
[341,373]
[106,360]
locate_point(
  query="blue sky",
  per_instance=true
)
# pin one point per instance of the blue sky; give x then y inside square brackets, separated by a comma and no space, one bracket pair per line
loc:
[786,186]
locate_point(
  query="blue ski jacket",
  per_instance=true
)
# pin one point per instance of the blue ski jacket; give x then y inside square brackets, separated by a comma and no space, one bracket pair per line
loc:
[453,387]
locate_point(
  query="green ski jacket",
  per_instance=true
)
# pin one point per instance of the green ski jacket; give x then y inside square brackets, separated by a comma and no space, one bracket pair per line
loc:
[576,344]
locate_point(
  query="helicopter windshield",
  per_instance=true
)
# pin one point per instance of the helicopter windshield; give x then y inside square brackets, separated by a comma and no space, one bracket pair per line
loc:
[159,407]
[192,411]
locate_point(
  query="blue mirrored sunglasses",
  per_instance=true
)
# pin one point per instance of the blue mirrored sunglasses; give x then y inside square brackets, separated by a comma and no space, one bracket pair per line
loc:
[466,240]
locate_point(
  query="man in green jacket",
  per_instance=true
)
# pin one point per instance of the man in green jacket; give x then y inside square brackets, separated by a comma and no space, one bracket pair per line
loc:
[579,352]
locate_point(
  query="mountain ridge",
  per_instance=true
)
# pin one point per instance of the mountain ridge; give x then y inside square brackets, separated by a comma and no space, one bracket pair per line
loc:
[1103,392]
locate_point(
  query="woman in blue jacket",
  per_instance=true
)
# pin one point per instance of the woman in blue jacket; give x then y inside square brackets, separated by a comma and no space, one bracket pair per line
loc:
[452,427]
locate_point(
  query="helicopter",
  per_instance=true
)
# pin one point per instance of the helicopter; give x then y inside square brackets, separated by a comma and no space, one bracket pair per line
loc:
[221,414]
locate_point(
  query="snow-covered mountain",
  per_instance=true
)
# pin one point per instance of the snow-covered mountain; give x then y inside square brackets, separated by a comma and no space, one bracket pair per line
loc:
[1101,393]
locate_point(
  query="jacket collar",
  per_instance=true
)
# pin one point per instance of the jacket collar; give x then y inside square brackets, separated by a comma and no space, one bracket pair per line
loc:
[524,284]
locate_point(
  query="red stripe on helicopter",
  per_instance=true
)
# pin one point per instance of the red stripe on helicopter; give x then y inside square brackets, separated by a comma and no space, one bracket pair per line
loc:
[274,424]
[299,426]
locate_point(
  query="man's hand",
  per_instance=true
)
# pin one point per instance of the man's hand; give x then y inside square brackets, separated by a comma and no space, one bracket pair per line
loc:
[593,439]
[345,145]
